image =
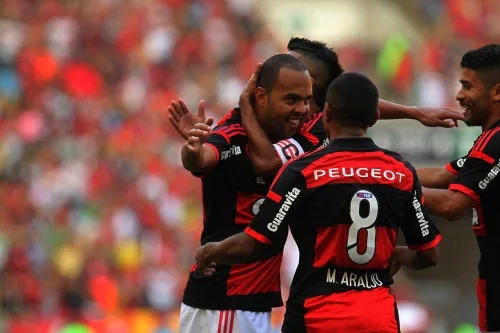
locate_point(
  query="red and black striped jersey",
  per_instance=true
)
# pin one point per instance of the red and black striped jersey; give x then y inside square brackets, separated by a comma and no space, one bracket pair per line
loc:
[232,195]
[310,136]
[344,205]
[477,177]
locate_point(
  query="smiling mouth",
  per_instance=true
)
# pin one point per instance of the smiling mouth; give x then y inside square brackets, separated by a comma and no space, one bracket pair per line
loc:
[294,121]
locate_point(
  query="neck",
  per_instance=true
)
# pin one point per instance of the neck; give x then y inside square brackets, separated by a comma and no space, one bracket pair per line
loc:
[346,132]
[491,120]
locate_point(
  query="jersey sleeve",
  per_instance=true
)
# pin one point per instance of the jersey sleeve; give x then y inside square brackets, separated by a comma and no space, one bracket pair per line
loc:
[479,170]
[270,225]
[456,165]
[311,136]
[418,227]
[222,140]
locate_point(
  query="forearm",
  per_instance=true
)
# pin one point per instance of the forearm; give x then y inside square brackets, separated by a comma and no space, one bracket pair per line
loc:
[232,250]
[389,110]
[263,156]
[412,259]
[438,178]
[202,161]
[442,203]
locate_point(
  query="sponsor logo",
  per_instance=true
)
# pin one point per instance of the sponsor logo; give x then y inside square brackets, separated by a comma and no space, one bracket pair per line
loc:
[285,207]
[233,151]
[366,281]
[260,180]
[359,172]
[483,184]
[461,162]
[424,224]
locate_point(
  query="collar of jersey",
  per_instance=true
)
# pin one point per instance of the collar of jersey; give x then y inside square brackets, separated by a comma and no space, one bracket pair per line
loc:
[361,141]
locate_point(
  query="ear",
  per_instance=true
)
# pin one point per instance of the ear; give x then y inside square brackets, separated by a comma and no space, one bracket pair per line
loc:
[377,117]
[327,113]
[260,97]
[495,91]
[312,80]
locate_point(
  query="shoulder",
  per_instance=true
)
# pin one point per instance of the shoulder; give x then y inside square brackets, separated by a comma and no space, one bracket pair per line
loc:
[488,143]
[312,124]
[229,128]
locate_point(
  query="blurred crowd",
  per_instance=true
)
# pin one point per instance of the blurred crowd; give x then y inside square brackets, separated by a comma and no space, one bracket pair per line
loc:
[98,221]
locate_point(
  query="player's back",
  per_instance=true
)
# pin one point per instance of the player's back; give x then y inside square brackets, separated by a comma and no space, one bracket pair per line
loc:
[357,196]
[232,195]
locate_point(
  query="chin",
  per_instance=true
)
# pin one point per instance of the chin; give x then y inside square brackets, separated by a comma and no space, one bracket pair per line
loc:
[470,122]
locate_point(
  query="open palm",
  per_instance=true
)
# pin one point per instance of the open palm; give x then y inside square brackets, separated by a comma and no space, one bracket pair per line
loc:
[184,120]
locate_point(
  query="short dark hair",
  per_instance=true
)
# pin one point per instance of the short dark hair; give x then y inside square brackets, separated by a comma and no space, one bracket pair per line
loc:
[271,68]
[484,60]
[353,99]
[318,51]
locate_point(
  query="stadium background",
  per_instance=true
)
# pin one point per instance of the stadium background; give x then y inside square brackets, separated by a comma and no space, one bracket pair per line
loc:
[97,215]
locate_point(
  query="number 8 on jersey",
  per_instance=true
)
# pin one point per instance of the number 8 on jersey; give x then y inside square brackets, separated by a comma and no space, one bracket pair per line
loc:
[359,223]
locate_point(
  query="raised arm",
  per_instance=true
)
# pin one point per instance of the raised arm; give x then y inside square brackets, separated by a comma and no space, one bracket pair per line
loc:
[430,117]
[184,120]
[198,157]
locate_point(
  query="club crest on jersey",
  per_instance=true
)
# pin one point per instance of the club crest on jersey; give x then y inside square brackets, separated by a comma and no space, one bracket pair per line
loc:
[233,151]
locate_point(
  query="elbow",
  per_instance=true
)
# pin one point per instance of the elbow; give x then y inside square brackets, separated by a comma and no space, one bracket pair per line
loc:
[188,166]
[430,261]
[450,212]
[428,258]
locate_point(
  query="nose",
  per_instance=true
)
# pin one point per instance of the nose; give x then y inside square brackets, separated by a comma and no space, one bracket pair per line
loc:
[460,95]
[302,107]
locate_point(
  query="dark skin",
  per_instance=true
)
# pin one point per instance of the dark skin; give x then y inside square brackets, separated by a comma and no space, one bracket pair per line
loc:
[482,108]
[241,247]
[439,178]
[263,156]
[278,111]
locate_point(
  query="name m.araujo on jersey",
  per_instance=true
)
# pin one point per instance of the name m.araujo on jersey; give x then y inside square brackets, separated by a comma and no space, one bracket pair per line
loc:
[289,199]
[359,172]
[490,176]
[234,150]
[424,224]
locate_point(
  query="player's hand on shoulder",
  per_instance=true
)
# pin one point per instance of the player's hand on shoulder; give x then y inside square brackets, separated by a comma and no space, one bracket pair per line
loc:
[438,117]
[183,119]
[245,101]
[204,266]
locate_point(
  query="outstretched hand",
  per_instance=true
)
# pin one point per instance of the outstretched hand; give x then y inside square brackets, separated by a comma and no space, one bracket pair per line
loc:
[438,117]
[183,119]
